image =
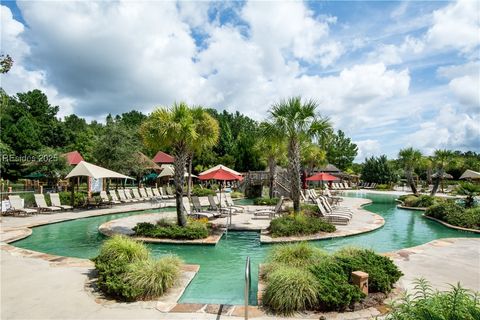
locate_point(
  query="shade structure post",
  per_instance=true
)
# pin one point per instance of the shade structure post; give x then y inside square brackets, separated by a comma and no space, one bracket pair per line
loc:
[72,191]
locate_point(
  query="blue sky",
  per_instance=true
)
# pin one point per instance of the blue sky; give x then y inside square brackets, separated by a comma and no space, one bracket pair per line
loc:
[390,74]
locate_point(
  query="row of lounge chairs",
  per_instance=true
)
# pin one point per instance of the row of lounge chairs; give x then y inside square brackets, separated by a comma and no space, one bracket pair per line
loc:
[329,207]
[17,205]
[340,186]
[136,195]
[367,185]
[218,206]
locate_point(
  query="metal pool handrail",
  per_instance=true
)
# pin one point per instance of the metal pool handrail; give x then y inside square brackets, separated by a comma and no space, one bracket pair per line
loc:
[247,285]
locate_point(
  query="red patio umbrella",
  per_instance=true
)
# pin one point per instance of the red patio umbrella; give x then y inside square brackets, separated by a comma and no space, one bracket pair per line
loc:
[322,176]
[222,175]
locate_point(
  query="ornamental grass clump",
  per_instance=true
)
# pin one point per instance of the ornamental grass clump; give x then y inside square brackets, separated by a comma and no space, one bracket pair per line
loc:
[195,229]
[289,290]
[151,278]
[126,271]
[300,255]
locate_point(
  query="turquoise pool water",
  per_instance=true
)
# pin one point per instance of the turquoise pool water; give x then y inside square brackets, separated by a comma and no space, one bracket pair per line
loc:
[220,279]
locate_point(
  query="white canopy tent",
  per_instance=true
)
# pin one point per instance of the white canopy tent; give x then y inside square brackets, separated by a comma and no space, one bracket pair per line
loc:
[169,171]
[470,174]
[221,166]
[90,170]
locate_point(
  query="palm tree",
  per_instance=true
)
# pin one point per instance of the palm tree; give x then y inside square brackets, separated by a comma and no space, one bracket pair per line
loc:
[312,156]
[409,159]
[272,148]
[178,128]
[469,190]
[297,121]
[441,159]
[208,133]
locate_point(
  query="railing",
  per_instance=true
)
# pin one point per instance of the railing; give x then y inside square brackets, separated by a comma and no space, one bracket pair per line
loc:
[248,281]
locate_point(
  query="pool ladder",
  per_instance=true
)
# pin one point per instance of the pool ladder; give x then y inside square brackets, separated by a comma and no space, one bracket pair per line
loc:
[248,282]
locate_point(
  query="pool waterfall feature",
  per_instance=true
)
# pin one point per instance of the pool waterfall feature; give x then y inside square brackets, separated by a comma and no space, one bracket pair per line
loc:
[222,267]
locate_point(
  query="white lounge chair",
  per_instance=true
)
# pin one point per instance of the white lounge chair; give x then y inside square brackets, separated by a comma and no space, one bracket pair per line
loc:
[114,197]
[231,204]
[270,212]
[190,212]
[129,196]
[332,217]
[42,204]
[143,194]
[55,199]
[123,196]
[17,206]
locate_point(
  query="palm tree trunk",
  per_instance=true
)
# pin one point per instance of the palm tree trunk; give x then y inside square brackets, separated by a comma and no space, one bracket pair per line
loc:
[189,182]
[411,181]
[179,164]
[272,167]
[294,163]
[438,180]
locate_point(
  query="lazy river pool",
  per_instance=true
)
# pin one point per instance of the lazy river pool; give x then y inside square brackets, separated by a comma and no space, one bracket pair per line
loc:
[221,276]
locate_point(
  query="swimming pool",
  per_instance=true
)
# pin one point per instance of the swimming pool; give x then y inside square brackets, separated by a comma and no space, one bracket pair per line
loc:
[220,279]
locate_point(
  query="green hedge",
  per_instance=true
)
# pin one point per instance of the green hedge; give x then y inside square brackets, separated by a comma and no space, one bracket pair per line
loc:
[202,192]
[422,201]
[166,230]
[288,290]
[456,215]
[78,198]
[426,304]
[265,201]
[298,224]
[126,271]
[237,194]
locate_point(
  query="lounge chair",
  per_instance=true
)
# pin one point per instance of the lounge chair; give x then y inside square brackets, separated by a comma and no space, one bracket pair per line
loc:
[170,192]
[270,212]
[114,197]
[144,194]
[133,194]
[190,212]
[165,195]
[215,207]
[332,217]
[17,206]
[336,209]
[334,198]
[55,199]
[123,196]
[231,204]
[42,204]
[223,203]
[150,193]
[106,199]
[156,193]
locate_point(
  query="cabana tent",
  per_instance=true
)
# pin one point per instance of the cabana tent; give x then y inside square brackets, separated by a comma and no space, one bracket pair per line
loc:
[218,167]
[85,169]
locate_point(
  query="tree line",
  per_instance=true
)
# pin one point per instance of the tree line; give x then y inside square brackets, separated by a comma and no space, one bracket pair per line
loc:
[31,127]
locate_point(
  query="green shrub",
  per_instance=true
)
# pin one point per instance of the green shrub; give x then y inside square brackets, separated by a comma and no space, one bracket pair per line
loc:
[383,187]
[167,230]
[427,304]
[78,198]
[115,256]
[441,210]
[300,254]
[469,218]
[289,290]
[265,201]
[410,201]
[236,194]
[404,196]
[202,192]
[335,292]
[309,209]
[425,201]
[151,278]
[28,199]
[298,224]
[382,272]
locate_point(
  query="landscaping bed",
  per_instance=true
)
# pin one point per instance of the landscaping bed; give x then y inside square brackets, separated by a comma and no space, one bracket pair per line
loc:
[300,277]
[164,229]
[298,224]
[126,271]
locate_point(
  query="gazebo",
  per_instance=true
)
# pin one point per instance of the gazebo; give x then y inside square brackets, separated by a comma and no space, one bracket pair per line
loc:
[73,157]
[162,158]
